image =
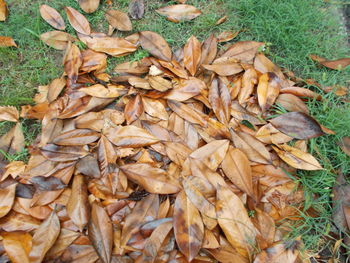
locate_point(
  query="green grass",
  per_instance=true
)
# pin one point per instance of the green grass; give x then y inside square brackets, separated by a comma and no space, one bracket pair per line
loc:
[293,29]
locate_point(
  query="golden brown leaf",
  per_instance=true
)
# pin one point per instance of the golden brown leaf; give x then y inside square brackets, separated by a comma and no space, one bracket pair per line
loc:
[72,61]
[9,113]
[119,20]
[224,69]
[7,42]
[249,79]
[185,89]
[297,158]
[13,140]
[101,232]
[89,6]
[44,237]
[65,238]
[220,99]
[17,246]
[268,134]
[3,10]
[244,51]
[280,252]
[78,21]
[188,113]
[63,153]
[7,197]
[100,91]
[268,89]
[153,180]
[192,55]
[209,50]
[155,45]
[227,36]
[345,145]
[221,20]
[188,226]
[177,13]
[52,17]
[114,46]
[76,137]
[57,39]
[154,108]
[159,83]
[332,64]
[292,103]
[133,109]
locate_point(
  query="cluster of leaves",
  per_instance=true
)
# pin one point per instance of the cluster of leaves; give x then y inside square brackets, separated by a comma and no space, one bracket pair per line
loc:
[181,158]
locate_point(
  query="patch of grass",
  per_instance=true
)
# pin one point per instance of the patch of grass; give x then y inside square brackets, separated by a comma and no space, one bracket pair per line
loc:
[291,29]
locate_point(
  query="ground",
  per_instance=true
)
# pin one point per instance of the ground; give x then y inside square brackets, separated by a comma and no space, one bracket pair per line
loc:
[292,29]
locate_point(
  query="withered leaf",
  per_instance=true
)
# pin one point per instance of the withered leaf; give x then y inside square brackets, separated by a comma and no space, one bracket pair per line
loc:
[192,55]
[44,237]
[244,51]
[155,45]
[159,83]
[57,39]
[72,61]
[130,136]
[7,42]
[63,153]
[188,226]
[297,125]
[234,221]
[114,46]
[76,137]
[268,134]
[297,158]
[133,109]
[225,68]
[101,232]
[17,246]
[185,89]
[78,21]
[100,91]
[65,238]
[106,154]
[7,198]
[226,36]
[220,99]
[153,180]
[280,252]
[209,50]
[292,103]
[236,167]
[154,108]
[136,9]
[332,64]
[89,6]
[177,13]
[119,20]
[51,16]
[79,254]
[50,183]
[344,144]
[13,140]
[268,89]
[188,113]
[9,113]
[3,10]
[249,79]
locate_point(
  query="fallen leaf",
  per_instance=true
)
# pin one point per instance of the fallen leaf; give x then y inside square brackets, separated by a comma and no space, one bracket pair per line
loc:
[7,198]
[209,50]
[292,103]
[76,137]
[50,183]
[44,237]
[114,46]
[100,230]
[9,113]
[7,42]
[268,90]
[17,246]
[3,10]
[65,239]
[136,9]
[192,55]
[280,252]
[188,227]
[244,51]
[119,20]
[297,158]
[187,113]
[89,6]
[155,45]
[72,61]
[159,83]
[224,69]
[153,180]
[341,199]
[337,64]
[154,108]
[52,17]
[63,153]
[105,92]
[78,21]
[186,89]
[133,109]
[344,144]
[177,13]
[13,141]
[221,20]
[57,39]
[220,99]
[297,125]
[226,36]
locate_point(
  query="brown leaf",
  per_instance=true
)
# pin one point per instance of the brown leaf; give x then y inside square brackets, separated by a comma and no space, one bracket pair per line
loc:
[72,61]
[198,190]
[159,83]
[100,91]
[177,13]
[52,17]
[76,137]
[268,89]
[185,89]
[13,140]
[3,10]
[297,125]
[188,113]
[344,144]
[136,9]
[220,99]
[226,36]
[221,20]
[292,103]
[212,153]
[93,61]
[63,153]
[79,254]
[301,92]
[209,50]
[154,108]
[55,88]
[89,6]
[249,79]
[7,198]
[269,134]
[155,45]
[100,230]
[234,221]
[44,237]
[78,21]
[130,136]
[50,183]
[280,252]
[188,226]
[106,154]
[133,109]
[57,39]
[114,46]
[9,113]
[236,167]
[337,64]
[65,238]
[7,42]
[17,246]
[192,55]
[254,149]
[119,20]
[153,180]
[225,68]
[244,51]
[297,158]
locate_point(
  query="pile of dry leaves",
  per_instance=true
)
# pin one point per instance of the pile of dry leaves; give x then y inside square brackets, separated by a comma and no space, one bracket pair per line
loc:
[180,158]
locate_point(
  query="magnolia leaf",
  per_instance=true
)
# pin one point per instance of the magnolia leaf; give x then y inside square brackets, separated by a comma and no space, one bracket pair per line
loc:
[57,39]
[52,17]
[177,13]
[89,6]
[155,45]
[78,21]
[17,246]
[119,20]
[192,55]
